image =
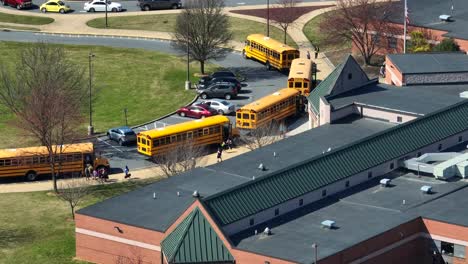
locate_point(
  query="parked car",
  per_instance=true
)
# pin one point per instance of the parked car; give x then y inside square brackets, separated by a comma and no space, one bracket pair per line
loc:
[19,4]
[147,5]
[197,111]
[222,106]
[217,75]
[100,6]
[123,135]
[55,6]
[224,90]
[207,82]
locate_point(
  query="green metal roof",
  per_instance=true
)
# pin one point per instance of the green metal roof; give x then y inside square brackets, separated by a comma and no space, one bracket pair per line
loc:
[195,241]
[268,191]
[324,88]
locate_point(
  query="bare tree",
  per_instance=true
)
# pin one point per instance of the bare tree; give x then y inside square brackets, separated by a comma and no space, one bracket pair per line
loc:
[262,136]
[362,22]
[45,93]
[180,158]
[287,15]
[204,27]
[73,191]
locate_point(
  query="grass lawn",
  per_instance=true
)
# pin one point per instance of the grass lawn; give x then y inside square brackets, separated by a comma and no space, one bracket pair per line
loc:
[312,32]
[29,20]
[36,227]
[149,84]
[166,23]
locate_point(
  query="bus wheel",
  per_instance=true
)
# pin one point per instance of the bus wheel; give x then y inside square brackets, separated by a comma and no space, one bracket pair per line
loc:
[31,175]
[268,66]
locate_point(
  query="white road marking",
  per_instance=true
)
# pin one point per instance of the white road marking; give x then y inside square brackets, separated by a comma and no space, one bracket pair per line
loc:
[109,144]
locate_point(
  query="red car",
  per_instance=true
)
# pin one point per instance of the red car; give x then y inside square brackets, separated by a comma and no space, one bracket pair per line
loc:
[197,111]
[19,4]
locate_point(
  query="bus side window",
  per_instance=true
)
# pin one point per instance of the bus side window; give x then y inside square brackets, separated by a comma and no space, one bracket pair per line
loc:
[190,135]
[205,131]
[155,142]
[138,139]
[173,139]
[200,132]
[252,116]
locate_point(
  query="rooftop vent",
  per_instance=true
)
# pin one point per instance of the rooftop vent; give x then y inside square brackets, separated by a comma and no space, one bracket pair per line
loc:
[267,231]
[464,95]
[299,72]
[426,189]
[276,93]
[154,195]
[446,18]
[195,194]
[385,182]
[301,63]
[329,224]
[262,167]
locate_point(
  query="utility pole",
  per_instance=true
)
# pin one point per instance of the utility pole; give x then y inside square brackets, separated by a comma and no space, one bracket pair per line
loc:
[315,246]
[90,127]
[125,113]
[107,5]
[187,81]
[268,18]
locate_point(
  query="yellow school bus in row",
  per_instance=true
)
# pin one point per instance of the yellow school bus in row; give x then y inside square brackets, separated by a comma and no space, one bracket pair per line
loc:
[274,107]
[202,132]
[34,161]
[272,53]
[300,76]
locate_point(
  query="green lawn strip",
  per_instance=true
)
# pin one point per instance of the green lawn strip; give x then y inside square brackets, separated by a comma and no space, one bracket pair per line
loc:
[10,27]
[240,28]
[149,84]
[312,32]
[28,20]
[36,227]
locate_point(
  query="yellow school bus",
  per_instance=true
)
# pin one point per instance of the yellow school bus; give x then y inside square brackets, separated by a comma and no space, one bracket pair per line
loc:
[300,76]
[206,131]
[272,53]
[33,161]
[273,107]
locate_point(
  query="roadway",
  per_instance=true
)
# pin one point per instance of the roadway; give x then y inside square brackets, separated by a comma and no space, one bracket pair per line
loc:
[129,6]
[258,83]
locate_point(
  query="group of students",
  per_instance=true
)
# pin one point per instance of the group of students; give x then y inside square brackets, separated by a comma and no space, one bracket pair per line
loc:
[225,144]
[94,174]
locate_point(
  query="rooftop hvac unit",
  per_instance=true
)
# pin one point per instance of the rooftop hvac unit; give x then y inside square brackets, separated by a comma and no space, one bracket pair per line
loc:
[426,189]
[329,224]
[385,182]
[446,18]
[464,95]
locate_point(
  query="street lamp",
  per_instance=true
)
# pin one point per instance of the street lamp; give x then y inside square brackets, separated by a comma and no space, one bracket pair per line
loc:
[187,81]
[315,246]
[107,5]
[90,127]
[268,18]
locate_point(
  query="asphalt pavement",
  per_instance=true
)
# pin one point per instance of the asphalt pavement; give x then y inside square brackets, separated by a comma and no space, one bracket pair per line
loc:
[129,6]
[258,83]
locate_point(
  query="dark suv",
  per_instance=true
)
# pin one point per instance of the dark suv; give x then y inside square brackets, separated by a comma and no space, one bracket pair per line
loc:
[147,5]
[207,81]
[224,90]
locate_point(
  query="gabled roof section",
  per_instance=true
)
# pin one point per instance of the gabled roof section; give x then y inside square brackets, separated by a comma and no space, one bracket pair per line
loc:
[422,63]
[345,77]
[195,241]
[318,172]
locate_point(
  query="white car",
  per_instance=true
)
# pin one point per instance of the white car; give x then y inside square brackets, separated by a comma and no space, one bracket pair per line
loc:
[223,107]
[100,6]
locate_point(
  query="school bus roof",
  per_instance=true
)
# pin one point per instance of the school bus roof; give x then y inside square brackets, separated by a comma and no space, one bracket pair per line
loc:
[300,68]
[268,100]
[185,126]
[67,148]
[269,42]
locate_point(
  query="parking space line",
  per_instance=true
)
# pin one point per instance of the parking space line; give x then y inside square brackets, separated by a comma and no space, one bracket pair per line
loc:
[109,144]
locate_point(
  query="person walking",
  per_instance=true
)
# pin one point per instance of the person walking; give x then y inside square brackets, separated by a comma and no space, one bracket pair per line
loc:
[219,155]
[308,55]
[229,143]
[317,49]
[87,172]
[95,174]
[127,172]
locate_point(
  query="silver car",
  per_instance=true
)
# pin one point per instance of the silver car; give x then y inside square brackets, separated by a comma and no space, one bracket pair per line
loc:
[222,106]
[123,135]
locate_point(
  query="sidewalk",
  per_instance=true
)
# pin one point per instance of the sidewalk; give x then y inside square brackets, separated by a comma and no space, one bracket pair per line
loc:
[137,174]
